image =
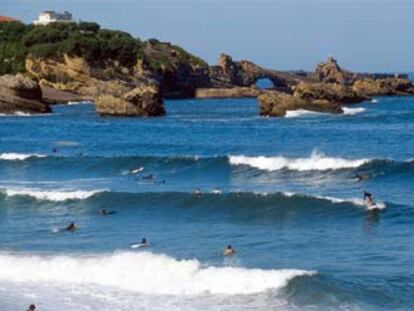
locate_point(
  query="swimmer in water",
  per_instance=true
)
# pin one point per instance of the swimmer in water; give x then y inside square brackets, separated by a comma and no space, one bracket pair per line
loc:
[148,177]
[229,251]
[361,177]
[32,307]
[72,227]
[104,212]
[368,199]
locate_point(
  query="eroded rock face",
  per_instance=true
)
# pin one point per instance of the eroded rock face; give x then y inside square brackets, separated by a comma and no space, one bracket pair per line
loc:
[332,92]
[245,74]
[383,87]
[19,93]
[276,104]
[116,91]
[330,72]
[145,101]
[319,97]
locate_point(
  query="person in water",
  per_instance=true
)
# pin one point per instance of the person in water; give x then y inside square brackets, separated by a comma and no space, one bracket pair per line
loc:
[72,227]
[144,242]
[32,307]
[229,251]
[104,212]
[368,199]
[361,177]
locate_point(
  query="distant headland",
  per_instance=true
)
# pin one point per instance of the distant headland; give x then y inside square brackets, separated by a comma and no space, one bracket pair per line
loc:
[57,60]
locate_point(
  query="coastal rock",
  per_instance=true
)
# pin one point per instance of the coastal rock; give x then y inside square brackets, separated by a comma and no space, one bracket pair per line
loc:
[19,93]
[245,74]
[332,92]
[384,87]
[235,92]
[330,72]
[145,101]
[276,104]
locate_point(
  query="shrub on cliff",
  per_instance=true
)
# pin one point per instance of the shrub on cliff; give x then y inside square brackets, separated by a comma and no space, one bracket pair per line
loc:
[97,46]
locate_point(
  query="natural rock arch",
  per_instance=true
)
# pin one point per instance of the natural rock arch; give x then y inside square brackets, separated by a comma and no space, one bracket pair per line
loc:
[245,74]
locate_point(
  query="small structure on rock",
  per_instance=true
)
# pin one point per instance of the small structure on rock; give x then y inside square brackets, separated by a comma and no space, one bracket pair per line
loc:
[48,17]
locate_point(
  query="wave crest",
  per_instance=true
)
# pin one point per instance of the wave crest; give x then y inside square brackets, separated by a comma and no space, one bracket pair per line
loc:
[145,273]
[11,156]
[316,161]
[53,195]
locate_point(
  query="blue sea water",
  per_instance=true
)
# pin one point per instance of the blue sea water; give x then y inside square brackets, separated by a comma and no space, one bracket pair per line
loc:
[281,191]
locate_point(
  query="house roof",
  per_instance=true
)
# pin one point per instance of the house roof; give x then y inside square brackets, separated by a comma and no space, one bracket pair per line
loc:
[5,19]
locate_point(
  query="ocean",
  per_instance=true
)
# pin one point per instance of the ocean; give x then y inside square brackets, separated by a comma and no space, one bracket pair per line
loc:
[283,192]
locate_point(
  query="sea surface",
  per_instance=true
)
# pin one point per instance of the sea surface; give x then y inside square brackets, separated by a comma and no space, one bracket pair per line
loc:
[283,192]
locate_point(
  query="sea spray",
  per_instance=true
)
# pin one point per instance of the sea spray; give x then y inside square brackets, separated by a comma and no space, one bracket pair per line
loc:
[54,195]
[316,161]
[145,273]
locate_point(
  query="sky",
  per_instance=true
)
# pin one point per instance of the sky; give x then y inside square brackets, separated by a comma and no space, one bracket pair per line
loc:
[363,35]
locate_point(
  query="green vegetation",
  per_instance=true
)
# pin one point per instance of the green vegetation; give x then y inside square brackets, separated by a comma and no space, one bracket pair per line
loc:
[99,47]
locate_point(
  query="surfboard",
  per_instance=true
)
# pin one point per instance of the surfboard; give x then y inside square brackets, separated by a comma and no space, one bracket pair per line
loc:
[138,245]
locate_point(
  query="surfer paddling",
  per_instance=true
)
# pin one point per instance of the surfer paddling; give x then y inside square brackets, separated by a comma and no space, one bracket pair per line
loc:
[368,200]
[72,227]
[104,212]
[229,251]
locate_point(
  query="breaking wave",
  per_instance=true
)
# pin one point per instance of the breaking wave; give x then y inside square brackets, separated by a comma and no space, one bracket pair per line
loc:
[316,161]
[352,111]
[303,112]
[53,195]
[144,273]
[11,156]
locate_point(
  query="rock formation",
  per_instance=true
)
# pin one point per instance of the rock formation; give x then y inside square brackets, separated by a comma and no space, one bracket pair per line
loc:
[332,92]
[384,87]
[330,72]
[276,104]
[319,97]
[245,74]
[235,92]
[19,93]
[144,100]
[115,90]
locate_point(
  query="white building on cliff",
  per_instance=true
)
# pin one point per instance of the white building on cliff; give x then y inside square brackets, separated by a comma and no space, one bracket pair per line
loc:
[48,17]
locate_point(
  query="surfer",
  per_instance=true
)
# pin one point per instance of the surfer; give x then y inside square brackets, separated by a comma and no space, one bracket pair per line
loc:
[148,177]
[361,177]
[143,243]
[368,199]
[104,212]
[229,251]
[72,227]
[32,307]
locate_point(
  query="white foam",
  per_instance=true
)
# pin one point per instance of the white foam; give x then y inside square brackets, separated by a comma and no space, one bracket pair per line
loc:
[374,100]
[53,195]
[300,113]
[352,111]
[144,273]
[11,156]
[355,201]
[316,161]
[74,103]
[138,170]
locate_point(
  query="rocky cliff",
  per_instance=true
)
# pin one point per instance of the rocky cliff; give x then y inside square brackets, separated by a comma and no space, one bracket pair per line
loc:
[19,93]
